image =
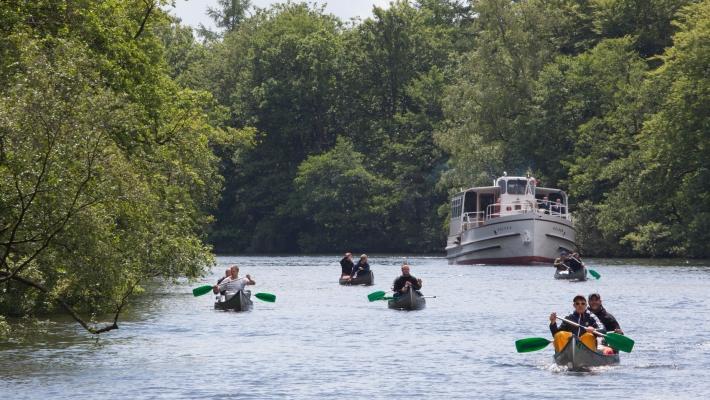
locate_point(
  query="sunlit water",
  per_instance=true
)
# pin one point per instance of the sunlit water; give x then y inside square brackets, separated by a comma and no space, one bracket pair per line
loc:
[322,340]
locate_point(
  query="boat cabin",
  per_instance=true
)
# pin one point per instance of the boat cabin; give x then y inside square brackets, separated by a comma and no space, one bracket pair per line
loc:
[509,195]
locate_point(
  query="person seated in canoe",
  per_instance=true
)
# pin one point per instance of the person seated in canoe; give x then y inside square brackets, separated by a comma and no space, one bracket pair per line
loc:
[405,282]
[227,273]
[346,266]
[361,268]
[608,321]
[561,262]
[574,263]
[233,284]
[581,316]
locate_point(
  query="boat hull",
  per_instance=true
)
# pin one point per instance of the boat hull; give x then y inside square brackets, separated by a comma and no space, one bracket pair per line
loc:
[412,300]
[241,301]
[366,280]
[578,357]
[528,238]
[580,275]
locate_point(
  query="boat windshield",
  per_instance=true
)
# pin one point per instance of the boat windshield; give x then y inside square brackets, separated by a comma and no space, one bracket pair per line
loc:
[517,186]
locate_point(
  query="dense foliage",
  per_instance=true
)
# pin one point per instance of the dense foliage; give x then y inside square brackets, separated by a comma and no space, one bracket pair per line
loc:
[106,165]
[361,129]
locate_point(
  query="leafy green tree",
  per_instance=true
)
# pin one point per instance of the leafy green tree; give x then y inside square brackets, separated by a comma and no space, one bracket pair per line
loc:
[662,206]
[340,202]
[106,170]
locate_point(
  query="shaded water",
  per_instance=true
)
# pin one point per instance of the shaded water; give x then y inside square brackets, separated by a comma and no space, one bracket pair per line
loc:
[322,340]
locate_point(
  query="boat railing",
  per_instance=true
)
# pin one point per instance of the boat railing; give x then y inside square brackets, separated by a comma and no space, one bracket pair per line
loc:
[472,219]
[553,209]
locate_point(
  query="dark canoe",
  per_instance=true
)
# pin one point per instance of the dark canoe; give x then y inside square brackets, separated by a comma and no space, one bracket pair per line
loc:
[241,301]
[413,300]
[578,357]
[367,280]
[580,275]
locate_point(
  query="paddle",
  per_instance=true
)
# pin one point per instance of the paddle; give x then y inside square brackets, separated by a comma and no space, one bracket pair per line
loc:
[268,297]
[531,344]
[614,340]
[379,295]
[199,291]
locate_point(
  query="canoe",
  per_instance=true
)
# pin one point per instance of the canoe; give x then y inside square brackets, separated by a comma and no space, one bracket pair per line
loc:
[367,280]
[578,357]
[580,275]
[241,301]
[412,300]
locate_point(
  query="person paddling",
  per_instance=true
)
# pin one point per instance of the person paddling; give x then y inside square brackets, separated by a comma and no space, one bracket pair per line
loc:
[346,266]
[403,284]
[588,324]
[362,267]
[574,263]
[561,262]
[608,321]
[233,284]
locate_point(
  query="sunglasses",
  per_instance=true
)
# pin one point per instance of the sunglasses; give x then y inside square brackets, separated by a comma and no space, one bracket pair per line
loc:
[579,303]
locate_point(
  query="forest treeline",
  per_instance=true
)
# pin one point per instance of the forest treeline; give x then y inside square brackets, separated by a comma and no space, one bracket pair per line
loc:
[358,131]
[132,146]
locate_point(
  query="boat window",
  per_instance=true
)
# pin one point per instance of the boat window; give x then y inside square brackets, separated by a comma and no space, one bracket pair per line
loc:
[517,186]
[469,203]
[501,185]
[456,204]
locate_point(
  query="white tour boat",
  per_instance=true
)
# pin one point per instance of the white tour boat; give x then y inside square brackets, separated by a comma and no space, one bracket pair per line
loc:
[512,222]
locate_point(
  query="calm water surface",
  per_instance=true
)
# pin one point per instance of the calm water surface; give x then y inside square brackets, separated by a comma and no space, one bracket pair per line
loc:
[322,340]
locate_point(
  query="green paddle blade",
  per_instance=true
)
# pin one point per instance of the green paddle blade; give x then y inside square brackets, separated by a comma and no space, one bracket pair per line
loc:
[376,295]
[266,297]
[199,291]
[531,344]
[594,273]
[620,342]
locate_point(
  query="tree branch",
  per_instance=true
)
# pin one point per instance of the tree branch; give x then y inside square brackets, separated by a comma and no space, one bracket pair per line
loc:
[151,6]
[91,328]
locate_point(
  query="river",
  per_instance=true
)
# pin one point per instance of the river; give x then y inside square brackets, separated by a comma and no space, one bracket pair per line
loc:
[322,340]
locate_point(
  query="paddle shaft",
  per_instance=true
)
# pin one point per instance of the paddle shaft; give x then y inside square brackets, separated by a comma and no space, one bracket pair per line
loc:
[580,326]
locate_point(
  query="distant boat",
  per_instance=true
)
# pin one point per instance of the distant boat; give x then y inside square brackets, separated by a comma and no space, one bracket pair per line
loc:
[362,279]
[509,223]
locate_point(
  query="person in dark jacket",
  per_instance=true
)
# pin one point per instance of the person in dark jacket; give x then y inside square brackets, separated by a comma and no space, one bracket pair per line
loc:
[403,284]
[608,321]
[346,265]
[588,321]
[574,262]
[362,267]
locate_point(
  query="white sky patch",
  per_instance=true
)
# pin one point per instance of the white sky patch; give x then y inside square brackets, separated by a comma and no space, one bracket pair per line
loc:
[193,12]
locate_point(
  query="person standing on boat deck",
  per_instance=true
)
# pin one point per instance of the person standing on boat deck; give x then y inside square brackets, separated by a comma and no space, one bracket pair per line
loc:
[346,265]
[362,267]
[608,321]
[234,283]
[545,205]
[588,323]
[403,284]
[557,207]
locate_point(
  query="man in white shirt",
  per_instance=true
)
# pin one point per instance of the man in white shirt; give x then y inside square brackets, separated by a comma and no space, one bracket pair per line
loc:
[233,283]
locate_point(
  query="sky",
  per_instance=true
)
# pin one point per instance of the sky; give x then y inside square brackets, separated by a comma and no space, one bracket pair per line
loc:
[192,12]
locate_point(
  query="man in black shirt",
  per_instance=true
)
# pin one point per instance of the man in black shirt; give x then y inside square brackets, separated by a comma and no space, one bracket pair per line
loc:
[346,264]
[403,283]
[595,306]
